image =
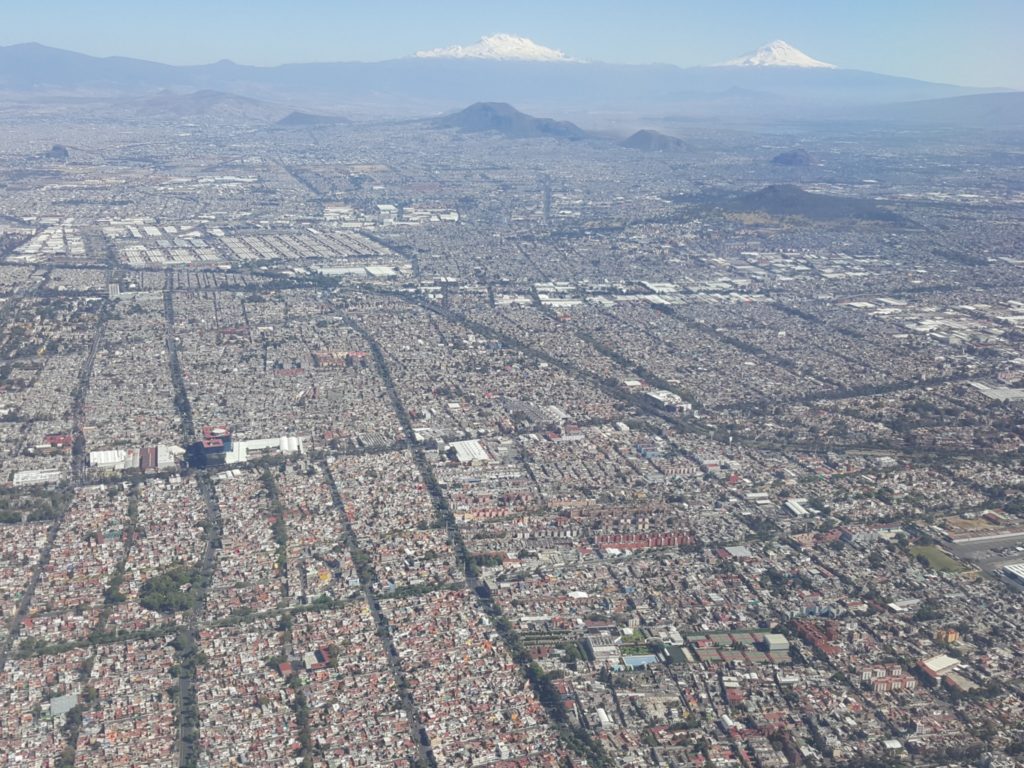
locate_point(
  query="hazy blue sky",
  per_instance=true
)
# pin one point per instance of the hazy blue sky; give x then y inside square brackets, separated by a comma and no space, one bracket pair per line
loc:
[975,42]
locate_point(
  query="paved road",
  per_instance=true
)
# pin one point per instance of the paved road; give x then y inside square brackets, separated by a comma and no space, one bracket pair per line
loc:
[417,730]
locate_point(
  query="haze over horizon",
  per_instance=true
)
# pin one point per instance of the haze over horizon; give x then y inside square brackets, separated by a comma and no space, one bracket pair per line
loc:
[943,41]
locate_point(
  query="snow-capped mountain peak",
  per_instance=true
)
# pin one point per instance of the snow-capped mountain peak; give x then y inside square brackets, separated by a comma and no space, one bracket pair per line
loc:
[499,48]
[778,53]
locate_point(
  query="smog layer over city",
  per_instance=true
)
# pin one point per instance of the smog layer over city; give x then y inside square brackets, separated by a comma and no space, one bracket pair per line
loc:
[564,385]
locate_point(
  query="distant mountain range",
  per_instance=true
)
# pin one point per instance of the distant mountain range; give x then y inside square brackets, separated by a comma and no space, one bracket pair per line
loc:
[775,82]
[207,103]
[988,110]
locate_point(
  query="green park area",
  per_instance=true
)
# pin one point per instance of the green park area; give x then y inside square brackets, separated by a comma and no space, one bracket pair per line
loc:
[936,559]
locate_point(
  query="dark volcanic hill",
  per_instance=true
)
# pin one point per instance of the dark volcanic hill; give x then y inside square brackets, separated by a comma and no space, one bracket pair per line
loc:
[208,104]
[790,200]
[652,141]
[310,120]
[509,121]
[794,158]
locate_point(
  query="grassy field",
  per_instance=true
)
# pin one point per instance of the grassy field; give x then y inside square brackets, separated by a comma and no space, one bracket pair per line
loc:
[938,559]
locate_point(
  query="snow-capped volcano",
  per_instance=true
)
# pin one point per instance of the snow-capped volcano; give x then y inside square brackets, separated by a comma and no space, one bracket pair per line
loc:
[499,48]
[777,54]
